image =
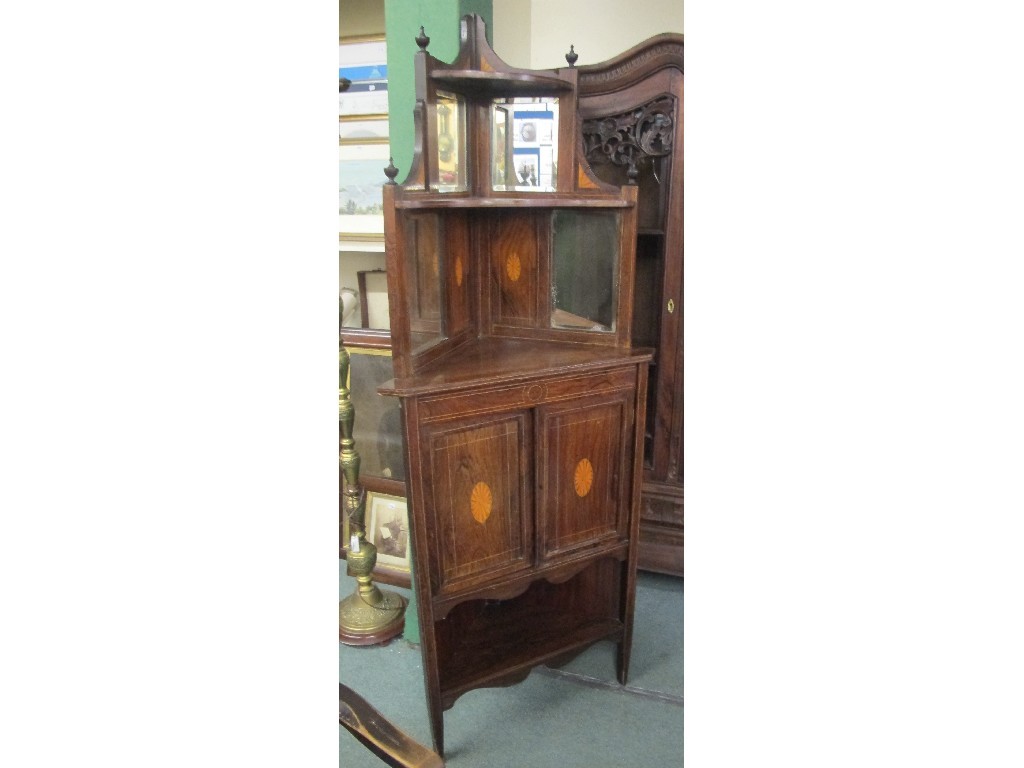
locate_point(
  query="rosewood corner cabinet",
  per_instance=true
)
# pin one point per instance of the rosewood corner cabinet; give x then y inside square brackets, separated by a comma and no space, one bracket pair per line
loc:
[631,110]
[510,271]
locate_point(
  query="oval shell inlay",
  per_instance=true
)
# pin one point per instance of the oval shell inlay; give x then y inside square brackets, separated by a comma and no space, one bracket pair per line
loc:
[513,267]
[583,478]
[480,502]
[458,270]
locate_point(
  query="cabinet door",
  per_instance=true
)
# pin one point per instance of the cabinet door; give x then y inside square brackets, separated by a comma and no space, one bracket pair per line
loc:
[583,479]
[478,498]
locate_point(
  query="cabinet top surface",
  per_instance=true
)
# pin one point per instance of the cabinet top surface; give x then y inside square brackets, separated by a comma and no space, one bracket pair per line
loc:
[490,361]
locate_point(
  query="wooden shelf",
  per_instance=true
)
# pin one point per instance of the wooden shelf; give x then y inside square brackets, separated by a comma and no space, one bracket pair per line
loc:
[496,642]
[544,200]
[478,83]
[522,655]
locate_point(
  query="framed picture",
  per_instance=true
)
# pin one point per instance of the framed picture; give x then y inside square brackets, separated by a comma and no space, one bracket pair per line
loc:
[361,181]
[387,528]
[374,306]
[383,572]
[355,130]
[363,61]
[527,167]
[377,430]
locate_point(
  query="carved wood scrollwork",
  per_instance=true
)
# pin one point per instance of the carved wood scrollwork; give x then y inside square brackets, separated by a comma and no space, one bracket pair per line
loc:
[628,138]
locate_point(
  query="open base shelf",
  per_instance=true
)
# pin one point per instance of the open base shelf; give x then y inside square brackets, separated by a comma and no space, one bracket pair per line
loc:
[485,643]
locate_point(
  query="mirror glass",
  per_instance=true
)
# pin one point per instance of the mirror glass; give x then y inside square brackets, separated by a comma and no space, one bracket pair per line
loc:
[449,171]
[524,144]
[424,245]
[584,270]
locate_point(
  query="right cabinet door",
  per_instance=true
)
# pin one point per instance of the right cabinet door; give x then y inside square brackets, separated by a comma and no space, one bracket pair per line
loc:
[584,456]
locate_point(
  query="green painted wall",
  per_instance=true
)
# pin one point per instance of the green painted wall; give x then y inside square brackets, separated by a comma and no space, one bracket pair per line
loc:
[402,21]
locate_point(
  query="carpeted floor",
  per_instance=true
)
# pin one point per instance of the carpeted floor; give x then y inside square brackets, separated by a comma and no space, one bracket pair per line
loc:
[575,717]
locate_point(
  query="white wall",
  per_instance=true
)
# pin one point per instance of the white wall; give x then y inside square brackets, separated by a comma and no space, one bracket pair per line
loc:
[537,33]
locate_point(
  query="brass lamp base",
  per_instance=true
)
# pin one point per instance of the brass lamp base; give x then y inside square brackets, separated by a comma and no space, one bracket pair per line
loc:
[360,623]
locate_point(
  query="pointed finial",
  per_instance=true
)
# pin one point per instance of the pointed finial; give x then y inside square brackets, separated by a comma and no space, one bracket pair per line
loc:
[422,40]
[571,56]
[391,171]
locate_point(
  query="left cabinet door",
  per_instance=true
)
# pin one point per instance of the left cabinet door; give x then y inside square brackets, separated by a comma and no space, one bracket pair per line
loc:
[478,499]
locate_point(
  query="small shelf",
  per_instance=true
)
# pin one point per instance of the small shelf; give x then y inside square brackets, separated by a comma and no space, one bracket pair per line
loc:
[478,83]
[545,200]
[517,656]
[492,642]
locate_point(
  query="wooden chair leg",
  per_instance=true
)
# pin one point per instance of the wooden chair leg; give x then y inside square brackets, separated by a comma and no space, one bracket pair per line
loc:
[380,736]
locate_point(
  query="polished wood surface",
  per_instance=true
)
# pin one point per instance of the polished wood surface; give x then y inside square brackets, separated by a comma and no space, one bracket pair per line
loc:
[523,438]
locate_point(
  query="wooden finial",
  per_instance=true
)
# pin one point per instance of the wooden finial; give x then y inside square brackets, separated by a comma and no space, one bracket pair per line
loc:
[391,171]
[422,40]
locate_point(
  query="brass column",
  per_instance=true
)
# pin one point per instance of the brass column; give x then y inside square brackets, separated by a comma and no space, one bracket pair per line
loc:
[368,615]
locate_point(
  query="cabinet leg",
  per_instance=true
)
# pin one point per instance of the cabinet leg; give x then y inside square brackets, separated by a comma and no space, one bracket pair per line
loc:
[436,724]
[622,662]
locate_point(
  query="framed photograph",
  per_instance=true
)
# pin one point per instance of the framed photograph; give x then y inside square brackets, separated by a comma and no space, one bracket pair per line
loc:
[387,528]
[527,167]
[363,61]
[361,181]
[382,572]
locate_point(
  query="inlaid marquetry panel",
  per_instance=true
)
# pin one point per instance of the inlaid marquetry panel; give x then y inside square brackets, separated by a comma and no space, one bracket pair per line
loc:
[514,268]
[583,447]
[457,285]
[480,497]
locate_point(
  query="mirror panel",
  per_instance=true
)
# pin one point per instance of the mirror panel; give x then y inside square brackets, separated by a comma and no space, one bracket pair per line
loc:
[584,299]
[448,173]
[524,144]
[424,238]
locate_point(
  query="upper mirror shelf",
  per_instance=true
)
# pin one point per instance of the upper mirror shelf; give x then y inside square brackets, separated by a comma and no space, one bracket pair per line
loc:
[478,83]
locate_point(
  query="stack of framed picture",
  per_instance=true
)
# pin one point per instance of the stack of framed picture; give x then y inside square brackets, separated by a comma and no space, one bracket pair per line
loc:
[363,148]
[363,153]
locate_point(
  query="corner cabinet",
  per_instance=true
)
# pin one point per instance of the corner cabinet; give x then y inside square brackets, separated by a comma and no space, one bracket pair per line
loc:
[631,111]
[511,275]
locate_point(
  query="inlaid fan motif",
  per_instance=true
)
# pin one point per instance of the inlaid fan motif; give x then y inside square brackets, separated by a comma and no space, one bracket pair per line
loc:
[583,478]
[513,267]
[480,502]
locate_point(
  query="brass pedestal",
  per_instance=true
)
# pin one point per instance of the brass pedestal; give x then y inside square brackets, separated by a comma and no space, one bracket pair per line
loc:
[369,615]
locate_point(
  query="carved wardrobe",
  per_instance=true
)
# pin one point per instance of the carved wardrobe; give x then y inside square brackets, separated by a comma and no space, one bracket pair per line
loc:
[631,108]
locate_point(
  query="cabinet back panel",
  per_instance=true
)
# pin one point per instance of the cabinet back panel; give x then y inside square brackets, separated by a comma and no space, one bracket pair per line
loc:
[515,267]
[458,280]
